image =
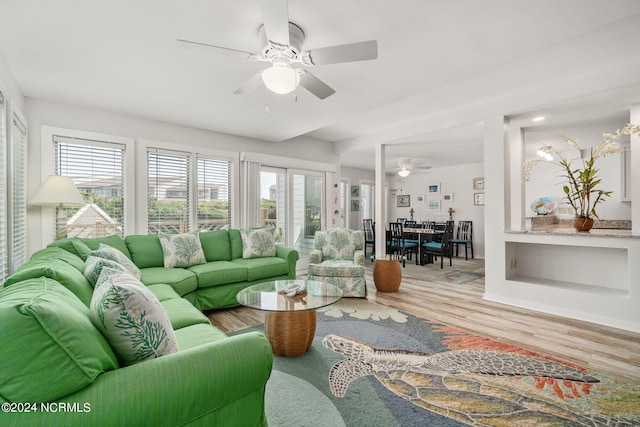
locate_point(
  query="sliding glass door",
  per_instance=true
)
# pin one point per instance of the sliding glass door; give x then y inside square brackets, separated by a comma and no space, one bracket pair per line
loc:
[293,201]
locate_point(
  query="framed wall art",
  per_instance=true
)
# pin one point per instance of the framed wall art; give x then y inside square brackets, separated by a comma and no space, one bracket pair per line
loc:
[433,188]
[433,205]
[447,197]
[478,199]
[478,183]
[421,198]
[403,201]
[355,205]
[355,191]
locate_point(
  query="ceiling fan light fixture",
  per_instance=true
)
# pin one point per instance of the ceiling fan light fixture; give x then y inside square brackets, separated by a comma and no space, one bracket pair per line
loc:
[281,79]
[404,172]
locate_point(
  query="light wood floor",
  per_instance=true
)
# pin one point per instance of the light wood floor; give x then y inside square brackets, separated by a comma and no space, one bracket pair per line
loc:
[427,292]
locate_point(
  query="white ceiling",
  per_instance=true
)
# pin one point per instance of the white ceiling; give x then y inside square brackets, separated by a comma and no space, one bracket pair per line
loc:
[443,67]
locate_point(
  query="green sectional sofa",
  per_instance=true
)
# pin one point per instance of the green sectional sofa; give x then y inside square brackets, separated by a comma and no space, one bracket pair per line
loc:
[57,368]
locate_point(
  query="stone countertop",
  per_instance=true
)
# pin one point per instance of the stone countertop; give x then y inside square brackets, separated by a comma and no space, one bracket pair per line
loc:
[561,231]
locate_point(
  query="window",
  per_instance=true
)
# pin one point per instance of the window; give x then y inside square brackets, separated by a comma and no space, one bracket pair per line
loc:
[97,169]
[168,203]
[17,190]
[214,179]
[187,191]
[4,259]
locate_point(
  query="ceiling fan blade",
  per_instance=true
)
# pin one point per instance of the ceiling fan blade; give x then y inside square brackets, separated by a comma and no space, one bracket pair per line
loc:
[315,85]
[360,51]
[250,85]
[275,14]
[219,49]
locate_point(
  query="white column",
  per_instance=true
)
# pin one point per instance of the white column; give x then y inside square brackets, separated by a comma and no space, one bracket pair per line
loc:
[496,199]
[381,202]
[635,172]
[514,211]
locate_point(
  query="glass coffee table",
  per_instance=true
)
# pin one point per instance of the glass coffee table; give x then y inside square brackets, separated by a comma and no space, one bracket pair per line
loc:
[290,321]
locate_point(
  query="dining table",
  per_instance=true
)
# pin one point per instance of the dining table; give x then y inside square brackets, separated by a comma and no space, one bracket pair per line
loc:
[424,235]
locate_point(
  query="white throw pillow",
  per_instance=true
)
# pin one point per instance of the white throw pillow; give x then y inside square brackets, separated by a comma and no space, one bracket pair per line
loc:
[257,243]
[93,267]
[131,318]
[109,252]
[182,250]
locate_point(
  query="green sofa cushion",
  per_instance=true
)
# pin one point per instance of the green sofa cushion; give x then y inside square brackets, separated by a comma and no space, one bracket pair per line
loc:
[146,251]
[235,238]
[197,335]
[262,268]
[163,292]
[181,280]
[61,254]
[93,244]
[219,273]
[50,348]
[57,270]
[182,313]
[216,245]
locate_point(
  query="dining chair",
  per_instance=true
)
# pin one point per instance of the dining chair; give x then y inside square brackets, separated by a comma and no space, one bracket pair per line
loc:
[368,227]
[396,243]
[401,220]
[464,236]
[442,248]
[429,225]
[410,224]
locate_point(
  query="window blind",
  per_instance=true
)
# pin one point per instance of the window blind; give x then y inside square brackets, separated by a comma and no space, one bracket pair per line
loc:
[18,193]
[97,169]
[4,259]
[213,196]
[168,190]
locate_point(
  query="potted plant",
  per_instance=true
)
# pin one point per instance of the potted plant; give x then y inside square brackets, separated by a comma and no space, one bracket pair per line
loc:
[581,188]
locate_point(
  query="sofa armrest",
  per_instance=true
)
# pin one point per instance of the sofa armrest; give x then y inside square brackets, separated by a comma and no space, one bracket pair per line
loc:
[358,257]
[188,386]
[290,255]
[315,257]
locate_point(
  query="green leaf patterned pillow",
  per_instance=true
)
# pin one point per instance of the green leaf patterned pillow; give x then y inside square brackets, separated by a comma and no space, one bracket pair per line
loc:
[131,318]
[109,252]
[94,265]
[258,243]
[182,250]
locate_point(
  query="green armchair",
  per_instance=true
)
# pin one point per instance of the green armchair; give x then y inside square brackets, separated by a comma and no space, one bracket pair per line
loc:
[338,259]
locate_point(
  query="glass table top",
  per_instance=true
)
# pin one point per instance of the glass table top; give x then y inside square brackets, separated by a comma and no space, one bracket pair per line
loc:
[266,296]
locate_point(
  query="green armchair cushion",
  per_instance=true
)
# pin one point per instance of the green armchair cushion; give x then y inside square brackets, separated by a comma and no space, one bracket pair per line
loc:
[181,250]
[216,245]
[57,270]
[131,318]
[339,243]
[336,268]
[50,347]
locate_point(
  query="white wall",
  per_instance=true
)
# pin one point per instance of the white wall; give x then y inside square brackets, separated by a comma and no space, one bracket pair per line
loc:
[40,112]
[455,179]
[355,177]
[546,179]
[10,84]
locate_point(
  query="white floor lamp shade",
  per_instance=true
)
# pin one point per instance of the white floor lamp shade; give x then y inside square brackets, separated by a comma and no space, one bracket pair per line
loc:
[58,191]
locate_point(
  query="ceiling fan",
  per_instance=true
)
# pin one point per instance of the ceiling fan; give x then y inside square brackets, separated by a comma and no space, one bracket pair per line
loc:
[405,166]
[281,45]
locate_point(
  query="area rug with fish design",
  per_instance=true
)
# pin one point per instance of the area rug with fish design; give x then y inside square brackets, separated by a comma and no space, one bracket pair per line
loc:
[372,365]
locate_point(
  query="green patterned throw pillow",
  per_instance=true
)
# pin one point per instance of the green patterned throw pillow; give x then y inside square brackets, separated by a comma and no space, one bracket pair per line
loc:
[131,318]
[111,253]
[94,265]
[258,243]
[182,250]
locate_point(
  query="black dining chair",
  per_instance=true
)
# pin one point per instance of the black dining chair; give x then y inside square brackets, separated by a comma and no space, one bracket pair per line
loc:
[442,248]
[410,224]
[397,245]
[464,236]
[401,220]
[369,237]
[429,225]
